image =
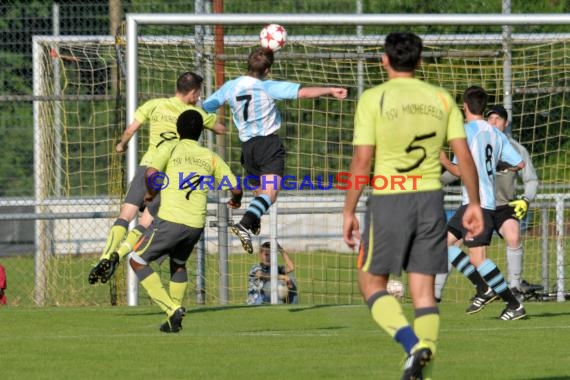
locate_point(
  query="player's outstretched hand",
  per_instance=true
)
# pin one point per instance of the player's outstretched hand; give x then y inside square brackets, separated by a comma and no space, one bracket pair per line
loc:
[339,92]
[235,201]
[351,230]
[473,221]
[120,148]
[220,129]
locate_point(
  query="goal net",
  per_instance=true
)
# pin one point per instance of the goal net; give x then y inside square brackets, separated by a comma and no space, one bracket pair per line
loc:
[317,134]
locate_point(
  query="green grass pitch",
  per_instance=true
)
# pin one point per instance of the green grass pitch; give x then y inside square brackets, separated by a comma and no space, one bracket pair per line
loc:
[277,342]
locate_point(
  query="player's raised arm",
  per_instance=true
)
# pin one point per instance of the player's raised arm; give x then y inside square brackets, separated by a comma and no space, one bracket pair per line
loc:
[127,135]
[315,92]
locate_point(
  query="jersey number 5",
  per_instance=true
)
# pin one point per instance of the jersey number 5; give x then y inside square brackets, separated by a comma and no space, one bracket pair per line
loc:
[410,148]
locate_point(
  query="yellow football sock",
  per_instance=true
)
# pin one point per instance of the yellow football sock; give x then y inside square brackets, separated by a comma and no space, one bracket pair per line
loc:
[158,294]
[127,245]
[426,327]
[388,313]
[116,234]
[178,291]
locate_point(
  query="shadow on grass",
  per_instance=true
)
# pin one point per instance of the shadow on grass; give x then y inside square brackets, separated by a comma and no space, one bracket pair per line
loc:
[548,315]
[189,310]
[311,307]
[208,309]
[138,313]
[531,316]
[292,308]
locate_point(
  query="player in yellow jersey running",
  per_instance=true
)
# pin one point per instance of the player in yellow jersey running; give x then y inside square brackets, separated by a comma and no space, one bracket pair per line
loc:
[401,126]
[181,215]
[161,115]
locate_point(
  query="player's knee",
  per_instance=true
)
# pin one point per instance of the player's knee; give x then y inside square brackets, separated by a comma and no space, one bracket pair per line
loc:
[513,244]
[175,268]
[137,263]
[134,265]
[128,211]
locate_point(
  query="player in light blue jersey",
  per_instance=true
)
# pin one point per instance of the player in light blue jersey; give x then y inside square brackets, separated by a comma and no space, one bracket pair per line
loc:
[252,101]
[487,145]
[510,209]
[252,98]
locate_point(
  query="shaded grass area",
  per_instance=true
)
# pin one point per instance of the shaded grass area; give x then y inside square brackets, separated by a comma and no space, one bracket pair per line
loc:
[302,342]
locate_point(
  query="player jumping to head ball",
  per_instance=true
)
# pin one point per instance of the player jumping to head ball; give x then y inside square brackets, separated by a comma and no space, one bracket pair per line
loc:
[251,98]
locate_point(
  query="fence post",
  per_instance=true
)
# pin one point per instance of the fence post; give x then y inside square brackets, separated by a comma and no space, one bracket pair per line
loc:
[223,217]
[560,294]
[544,233]
[201,270]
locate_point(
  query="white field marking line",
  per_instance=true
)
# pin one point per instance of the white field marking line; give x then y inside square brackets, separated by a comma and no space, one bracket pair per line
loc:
[288,333]
[157,334]
[90,337]
[518,328]
[366,332]
[202,333]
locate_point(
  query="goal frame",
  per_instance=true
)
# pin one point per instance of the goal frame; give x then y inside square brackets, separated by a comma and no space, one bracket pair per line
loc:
[558,201]
[358,20]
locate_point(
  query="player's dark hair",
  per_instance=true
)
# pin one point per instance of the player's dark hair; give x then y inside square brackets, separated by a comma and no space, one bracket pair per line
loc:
[190,125]
[187,82]
[266,245]
[259,61]
[475,98]
[404,50]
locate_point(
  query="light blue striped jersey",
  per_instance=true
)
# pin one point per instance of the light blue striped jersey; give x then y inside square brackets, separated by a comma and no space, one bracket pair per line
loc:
[488,145]
[252,102]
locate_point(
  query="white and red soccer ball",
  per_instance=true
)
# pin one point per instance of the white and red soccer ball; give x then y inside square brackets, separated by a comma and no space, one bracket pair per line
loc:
[273,37]
[282,289]
[396,288]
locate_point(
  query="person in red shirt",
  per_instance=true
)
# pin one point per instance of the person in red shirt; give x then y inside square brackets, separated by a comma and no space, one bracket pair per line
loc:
[3,285]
